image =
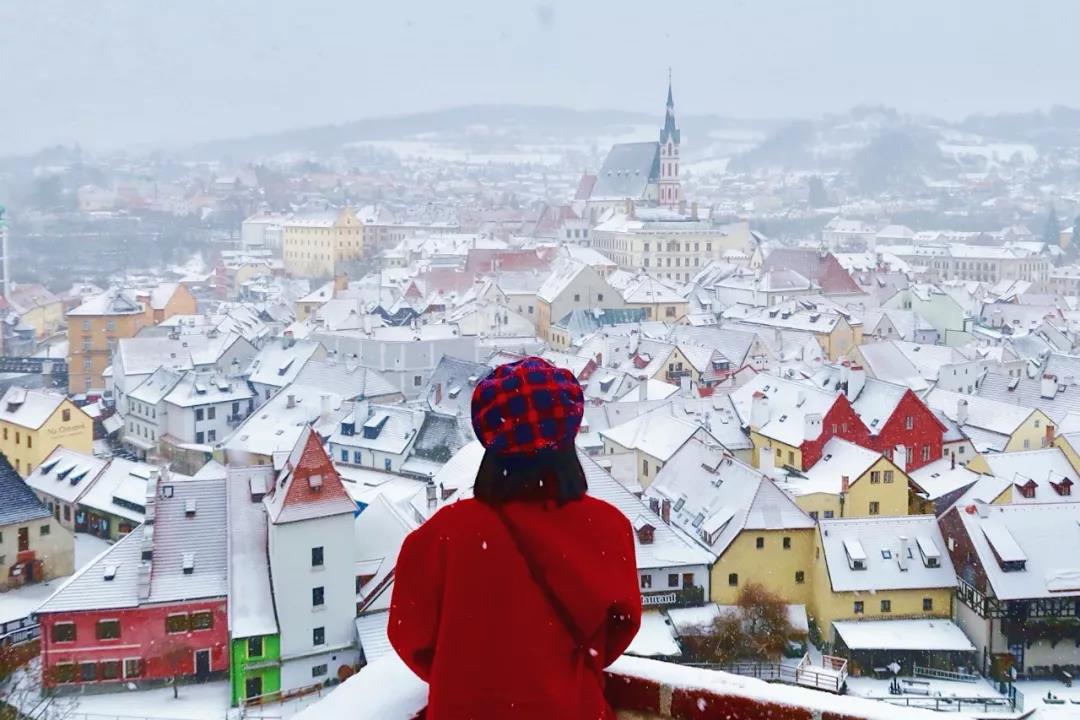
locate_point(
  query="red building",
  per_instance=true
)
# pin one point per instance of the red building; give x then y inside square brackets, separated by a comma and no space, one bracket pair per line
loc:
[892,414]
[152,607]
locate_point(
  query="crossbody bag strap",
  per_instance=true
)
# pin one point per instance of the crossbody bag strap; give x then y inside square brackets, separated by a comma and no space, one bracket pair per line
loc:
[537,574]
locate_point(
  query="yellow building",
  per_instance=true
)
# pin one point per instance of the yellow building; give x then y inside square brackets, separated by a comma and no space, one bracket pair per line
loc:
[880,569]
[757,532]
[37,307]
[997,426]
[314,244]
[96,325]
[654,438]
[34,546]
[658,300]
[835,333]
[33,422]
[851,481]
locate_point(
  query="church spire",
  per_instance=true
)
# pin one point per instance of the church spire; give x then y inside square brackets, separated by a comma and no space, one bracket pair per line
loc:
[670,130]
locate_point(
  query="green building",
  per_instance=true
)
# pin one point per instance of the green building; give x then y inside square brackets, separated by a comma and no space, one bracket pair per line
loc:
[255,668]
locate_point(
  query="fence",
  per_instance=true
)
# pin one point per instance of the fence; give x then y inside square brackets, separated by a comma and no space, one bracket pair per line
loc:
[829,676]
[918,671]
[951,704]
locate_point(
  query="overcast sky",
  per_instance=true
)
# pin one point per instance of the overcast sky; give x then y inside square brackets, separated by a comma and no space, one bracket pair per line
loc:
[108,73]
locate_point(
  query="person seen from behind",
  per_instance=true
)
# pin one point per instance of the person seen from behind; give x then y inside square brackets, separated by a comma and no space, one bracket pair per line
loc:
[510,605]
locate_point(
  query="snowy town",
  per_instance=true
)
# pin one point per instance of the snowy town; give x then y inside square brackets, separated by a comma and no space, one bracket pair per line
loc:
[833,386]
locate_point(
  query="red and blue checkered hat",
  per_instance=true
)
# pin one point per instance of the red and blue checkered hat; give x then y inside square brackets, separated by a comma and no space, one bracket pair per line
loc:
[526,407]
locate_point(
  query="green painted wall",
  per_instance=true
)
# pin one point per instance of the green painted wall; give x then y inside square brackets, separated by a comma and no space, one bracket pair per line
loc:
[239,672]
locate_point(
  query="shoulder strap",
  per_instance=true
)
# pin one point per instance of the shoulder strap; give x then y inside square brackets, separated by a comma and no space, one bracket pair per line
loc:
[564,614]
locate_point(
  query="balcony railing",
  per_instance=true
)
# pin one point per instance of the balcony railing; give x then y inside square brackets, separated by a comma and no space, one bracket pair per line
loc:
[638,689]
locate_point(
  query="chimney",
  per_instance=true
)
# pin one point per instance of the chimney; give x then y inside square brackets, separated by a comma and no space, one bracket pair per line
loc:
[324,407]
[856,380]
[438,393]
[665,511]
[643,388]
[900,458]
[812,423]
[693,210]
[1049,386]
[845,483]
[290,401]
[962,411]
[759,410]
[902,555]
[432,501]
[766,462]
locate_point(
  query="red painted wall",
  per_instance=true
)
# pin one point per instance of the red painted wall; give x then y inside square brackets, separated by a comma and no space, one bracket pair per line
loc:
[926,430]
[842,415]
[142,635]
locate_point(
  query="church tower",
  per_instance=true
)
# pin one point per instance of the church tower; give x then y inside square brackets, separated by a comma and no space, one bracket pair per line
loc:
[670,187]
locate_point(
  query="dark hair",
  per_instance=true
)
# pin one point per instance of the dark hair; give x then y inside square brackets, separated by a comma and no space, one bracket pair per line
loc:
[548,475]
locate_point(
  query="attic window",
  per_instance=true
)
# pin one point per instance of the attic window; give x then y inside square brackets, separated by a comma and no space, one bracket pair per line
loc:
[200,389]
[285,368]
[315,482]
[190,506]
[855,554]
[454,392]
[110,573]
[189,563]
[48,467]
[679,504]
[886,554]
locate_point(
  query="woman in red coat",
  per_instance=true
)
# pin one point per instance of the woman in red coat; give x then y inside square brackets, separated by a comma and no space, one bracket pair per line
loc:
[511,604]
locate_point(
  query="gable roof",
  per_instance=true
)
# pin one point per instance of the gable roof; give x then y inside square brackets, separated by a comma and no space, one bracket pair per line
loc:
[308,486]
[655,433]
[251,598]
[18,503]
[823,268]
[65,474]
[30,408]
[789,404]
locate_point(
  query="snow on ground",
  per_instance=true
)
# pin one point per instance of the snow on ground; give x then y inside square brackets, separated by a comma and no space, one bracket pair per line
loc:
[18,603]
[1034,692]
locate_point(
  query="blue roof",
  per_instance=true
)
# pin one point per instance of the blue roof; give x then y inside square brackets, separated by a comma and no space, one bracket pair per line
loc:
[18,503]
[628,170]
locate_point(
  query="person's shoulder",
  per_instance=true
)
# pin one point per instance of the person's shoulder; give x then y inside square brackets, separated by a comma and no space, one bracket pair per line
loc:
[603,510]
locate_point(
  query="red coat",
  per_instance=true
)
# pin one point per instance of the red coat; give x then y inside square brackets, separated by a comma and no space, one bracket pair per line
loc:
[468,617]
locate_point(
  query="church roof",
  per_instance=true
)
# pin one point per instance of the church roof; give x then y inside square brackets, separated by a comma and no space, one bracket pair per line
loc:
[628,170]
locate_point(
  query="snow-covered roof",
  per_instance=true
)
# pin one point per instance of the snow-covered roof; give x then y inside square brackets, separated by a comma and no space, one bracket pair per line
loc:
[990,415]
[714,497]
[120,489]
[655,637]
[899,553]
[251,598]
[347,379]
[275,427]
[278,363]
[372,636]
[936,634]
[65,474]
[940,478]
[656,434]
[1045,467]
[789,403]
[30,408]
[1034,541]
[562,274]
[203,388]
[156,386]
[308,486]
[839,459]
[386,428]
[144,354]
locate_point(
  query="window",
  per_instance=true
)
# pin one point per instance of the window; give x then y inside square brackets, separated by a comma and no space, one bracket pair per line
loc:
[886,606]
[133,667]
[211,436]
[317,556]
[357,457]
[200,437]
[108,629]
[928,604]
[814,515]
[577,297]
[65,672]
[858,607]
[199,413]
[67,513]
[5,434]
[600,297]
[318,596]
[829,514]
[202,620]
[733,579]
[759,543]
[646,582]
[318,670]
[44,530]
[17,436]
[875,477]
[176,623]
[318,636]
[888,476]
[645,468]
[417,380]
[875,507]
[29,442]
[909,423]
[109,669]
[211,413]
[787,543]
[88,671]
[800,577]
[925,452]
[673,580]
[344,455]
[63,632]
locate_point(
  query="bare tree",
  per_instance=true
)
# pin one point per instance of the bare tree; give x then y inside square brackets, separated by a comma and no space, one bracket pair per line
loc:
[175,653]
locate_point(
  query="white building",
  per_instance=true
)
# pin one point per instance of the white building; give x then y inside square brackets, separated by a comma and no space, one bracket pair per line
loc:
[376,436]
[203,408]
[312,563]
